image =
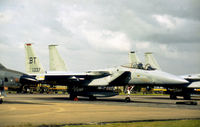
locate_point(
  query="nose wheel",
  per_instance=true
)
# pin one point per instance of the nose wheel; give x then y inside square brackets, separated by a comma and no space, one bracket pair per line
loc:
[127,99]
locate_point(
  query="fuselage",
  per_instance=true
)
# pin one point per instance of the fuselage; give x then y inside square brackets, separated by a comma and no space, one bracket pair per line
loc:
[14,79]
[151,77]
[10,78]
[116,76]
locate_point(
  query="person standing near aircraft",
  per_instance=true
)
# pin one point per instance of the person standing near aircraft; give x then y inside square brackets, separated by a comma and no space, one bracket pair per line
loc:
[129,89]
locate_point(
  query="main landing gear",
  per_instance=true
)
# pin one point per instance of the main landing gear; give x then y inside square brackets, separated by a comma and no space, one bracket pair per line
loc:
[1,100]
[73,97]
[92,98]
[173,96]
[185,93]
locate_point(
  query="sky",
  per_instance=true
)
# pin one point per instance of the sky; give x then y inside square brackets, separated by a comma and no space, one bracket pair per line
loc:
[97,34]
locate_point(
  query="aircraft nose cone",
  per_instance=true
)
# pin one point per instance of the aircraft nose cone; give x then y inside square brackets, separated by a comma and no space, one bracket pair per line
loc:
[180,81]
[169,79]
[177,80]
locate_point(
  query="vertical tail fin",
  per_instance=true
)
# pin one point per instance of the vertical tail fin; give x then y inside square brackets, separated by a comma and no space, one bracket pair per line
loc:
[56,63]
[150,60]
[134,60]
[33,65]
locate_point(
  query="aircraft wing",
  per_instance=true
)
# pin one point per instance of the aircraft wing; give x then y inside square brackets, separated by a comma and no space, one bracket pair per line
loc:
[191,77]
[28,79]
[67,77]
[194,85]
[91,78]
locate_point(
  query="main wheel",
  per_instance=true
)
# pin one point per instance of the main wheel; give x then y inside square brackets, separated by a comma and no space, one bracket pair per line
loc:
[127,99]
[173,96]
[187,97]
[72,96]
[92,98]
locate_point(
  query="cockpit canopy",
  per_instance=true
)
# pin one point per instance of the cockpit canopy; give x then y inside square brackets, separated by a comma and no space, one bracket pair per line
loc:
[139,66]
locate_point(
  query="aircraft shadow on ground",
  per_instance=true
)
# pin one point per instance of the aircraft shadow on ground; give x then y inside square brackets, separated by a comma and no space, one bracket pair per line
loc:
[162,98]
[148,102]
[80,99]
[197,99]
[22,102]
[111,100]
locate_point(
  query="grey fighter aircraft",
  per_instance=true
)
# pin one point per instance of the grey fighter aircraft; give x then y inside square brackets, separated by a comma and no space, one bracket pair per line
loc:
[90,83]
[12,79]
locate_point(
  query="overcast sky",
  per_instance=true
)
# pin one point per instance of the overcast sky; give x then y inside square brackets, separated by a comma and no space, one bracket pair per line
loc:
[96,34]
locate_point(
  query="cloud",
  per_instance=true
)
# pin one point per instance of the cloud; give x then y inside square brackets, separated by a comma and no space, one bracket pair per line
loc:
[108,40]
[142,45]
[101,33]
[166,21]
[6,17]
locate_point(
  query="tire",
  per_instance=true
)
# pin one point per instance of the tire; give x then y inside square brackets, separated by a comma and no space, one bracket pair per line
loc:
[92,98]
[173,96]
[187,97]
[127,99]
[72,96]
[1,100]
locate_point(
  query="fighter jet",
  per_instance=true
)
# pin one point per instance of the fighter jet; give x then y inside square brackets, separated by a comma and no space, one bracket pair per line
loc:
[12,79]
[90,83]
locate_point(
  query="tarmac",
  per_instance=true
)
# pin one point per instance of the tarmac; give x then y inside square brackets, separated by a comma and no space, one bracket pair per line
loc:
[38,109]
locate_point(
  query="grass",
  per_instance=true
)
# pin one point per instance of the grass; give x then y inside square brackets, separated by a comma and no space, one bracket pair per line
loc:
[179,123]
[175,123]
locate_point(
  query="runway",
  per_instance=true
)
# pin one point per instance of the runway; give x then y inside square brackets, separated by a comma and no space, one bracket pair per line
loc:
[35,109]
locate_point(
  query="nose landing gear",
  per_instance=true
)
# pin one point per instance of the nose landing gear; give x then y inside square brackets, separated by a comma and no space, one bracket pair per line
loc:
[127,99]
